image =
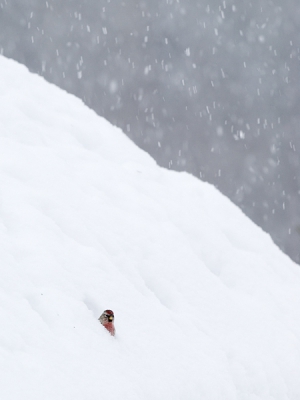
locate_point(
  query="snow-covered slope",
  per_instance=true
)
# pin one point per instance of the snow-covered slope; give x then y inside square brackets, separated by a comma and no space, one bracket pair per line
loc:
[206,306]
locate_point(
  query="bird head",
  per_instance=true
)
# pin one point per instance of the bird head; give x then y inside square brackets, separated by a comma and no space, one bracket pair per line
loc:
[106,317]
[109,315]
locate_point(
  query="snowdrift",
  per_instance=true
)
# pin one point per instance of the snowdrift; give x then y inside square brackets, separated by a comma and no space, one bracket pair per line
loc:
[206,306]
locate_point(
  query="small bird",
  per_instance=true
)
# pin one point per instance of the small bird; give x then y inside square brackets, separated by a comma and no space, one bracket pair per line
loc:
[107,320]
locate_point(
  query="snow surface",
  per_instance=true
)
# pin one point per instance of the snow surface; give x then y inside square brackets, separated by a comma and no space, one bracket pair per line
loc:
[206,306]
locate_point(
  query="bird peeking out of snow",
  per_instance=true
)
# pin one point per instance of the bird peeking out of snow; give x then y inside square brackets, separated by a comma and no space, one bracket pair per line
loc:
[107,320]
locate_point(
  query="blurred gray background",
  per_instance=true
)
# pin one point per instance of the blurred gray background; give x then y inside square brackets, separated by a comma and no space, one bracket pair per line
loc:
[211,87]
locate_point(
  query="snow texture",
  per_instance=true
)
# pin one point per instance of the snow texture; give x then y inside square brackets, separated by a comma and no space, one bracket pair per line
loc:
[206,306]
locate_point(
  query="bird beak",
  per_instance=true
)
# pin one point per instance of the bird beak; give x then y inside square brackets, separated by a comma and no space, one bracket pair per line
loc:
[110,318]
